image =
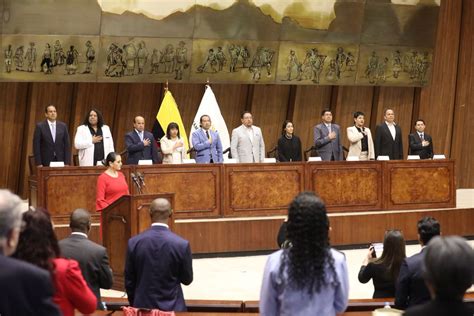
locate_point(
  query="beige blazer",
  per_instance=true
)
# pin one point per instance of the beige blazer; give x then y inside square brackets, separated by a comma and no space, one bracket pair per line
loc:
[171,156]
[355,138]
[243,148]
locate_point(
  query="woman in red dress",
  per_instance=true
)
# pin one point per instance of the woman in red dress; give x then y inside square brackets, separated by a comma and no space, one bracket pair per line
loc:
[38,245]
[111,184]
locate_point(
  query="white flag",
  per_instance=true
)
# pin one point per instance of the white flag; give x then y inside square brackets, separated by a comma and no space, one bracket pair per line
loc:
[210,107]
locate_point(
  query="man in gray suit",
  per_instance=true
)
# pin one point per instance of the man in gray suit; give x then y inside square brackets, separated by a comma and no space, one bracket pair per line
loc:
[92,257]
[327,138]
[247,143]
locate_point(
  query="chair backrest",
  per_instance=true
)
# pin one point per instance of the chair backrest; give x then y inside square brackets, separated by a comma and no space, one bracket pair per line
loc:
[32,165]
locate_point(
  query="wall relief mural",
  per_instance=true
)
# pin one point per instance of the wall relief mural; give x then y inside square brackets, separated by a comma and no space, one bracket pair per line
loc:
[321,42]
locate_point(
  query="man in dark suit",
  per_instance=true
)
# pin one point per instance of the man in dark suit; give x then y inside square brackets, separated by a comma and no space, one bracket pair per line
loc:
[157,262]
[388,137]
[411,288]
[51,140]
[92,257]
[327,138]
[141,145]
[25,289]
[421,143]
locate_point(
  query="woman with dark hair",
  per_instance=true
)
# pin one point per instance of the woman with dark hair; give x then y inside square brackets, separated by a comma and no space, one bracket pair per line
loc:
[172,146]
[93,139]
[38,245]
[384,270]
[111,184]
[360,138]
[309,277]
[289,145]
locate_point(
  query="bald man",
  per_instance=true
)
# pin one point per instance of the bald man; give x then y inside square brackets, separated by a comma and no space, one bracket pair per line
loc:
[158,261]
[141,144]
[92,257]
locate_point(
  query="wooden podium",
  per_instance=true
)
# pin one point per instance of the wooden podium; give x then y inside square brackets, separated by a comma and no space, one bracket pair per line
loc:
[123,219]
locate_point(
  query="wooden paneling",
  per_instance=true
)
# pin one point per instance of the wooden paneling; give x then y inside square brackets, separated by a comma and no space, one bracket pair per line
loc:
[309,102]
[188,97]
[232,101]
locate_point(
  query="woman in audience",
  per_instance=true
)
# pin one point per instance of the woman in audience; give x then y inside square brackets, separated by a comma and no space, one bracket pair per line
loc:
[362,145]
[172,146]
[289,145]
[38,245]
[384,270]
[93,139]
[308,278]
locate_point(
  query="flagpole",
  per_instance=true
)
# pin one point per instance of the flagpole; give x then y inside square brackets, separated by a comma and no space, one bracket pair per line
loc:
[207,82]
[166,85]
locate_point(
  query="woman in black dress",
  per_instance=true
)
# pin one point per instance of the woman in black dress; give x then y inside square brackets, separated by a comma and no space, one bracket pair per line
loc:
[384,270]
[289,145]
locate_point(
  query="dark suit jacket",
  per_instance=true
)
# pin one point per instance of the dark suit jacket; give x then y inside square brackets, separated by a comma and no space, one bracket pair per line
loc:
[441,308]
[158,261]
[45,150]
[93,261]
[384,283]
[384,143]
[25,289]
[411,288]
[137,151]
[326,147]
[417,149]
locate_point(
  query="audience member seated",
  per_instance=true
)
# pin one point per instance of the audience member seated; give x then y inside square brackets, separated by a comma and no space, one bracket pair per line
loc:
[448,267]
[92,258]
[38,245]
[384,270]
[308,278]
[411,289]
[157,262]
[26,289]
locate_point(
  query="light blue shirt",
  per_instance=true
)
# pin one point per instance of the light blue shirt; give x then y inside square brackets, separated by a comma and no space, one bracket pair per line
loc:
[278,300]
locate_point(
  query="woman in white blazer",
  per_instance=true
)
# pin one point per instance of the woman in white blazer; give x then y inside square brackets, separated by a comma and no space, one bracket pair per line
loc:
[172,146]
[93,139]
[360,138]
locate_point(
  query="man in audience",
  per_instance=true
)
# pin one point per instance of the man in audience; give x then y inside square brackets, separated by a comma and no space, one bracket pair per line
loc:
[388,137]
[448,272]
[51,140]
[420,143]
[327,138]
[141,145]
[157,262]
[411,289]
[207,143]
[25,289]
[247,144]
[92,257]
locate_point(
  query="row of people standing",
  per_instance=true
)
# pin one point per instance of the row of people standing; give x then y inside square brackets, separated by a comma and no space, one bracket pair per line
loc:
[94,141]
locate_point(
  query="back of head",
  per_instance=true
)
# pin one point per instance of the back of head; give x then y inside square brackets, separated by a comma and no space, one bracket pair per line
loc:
[160,210]
[38,244]
[449,266]
[393,252]
[80,221]
[428,227]
[309,254]
[10,216]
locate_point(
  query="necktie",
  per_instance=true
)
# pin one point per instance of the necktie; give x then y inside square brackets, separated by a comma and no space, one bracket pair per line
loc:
[329,128]
[53,132]
[207,134]
[422,137]
[141,135]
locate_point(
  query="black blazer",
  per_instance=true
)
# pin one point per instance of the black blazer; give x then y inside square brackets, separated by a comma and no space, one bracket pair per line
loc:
[441,308]
[92,259]
[417,149]
[158,261]
[25,289]
[137,151]
[45,150]
[411,287]
[384,284]
[384,143]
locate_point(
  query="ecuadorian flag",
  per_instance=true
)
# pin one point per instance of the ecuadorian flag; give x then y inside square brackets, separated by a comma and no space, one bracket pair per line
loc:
[168,113]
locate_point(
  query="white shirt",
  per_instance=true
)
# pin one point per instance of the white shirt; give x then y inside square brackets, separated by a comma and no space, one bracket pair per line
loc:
[52,128]
[391,127]
[160,224]
[250,132]
[140,134]
[80,234]
[328,126]
[421,135]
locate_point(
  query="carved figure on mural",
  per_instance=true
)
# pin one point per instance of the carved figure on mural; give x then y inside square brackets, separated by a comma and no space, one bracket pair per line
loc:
[167,58]
[234,52]
[130,58]
[19,58]
[7,55]
[424,66]
[180,60]
[221,59]
[71,60]
[340,62]
[381,70]
[47,62]
[263,59]
[350,62]
[90,57]
[155,62]
[396,64]
[115,63]
[211,61]
[142,56]
[30,57]
[317,64]
[331,74]
[414,63]
[59,55]
[371,70]
[244,56]
[292,65]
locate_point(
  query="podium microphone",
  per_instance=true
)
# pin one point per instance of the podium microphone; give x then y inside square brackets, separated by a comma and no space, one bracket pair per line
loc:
[136,181]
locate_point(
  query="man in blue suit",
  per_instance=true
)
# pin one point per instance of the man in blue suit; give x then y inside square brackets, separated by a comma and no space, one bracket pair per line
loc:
[157,262]
[327,138]
[141,145]
[207,143]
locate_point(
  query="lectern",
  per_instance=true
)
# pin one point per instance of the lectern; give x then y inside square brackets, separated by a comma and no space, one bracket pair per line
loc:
[123,219]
